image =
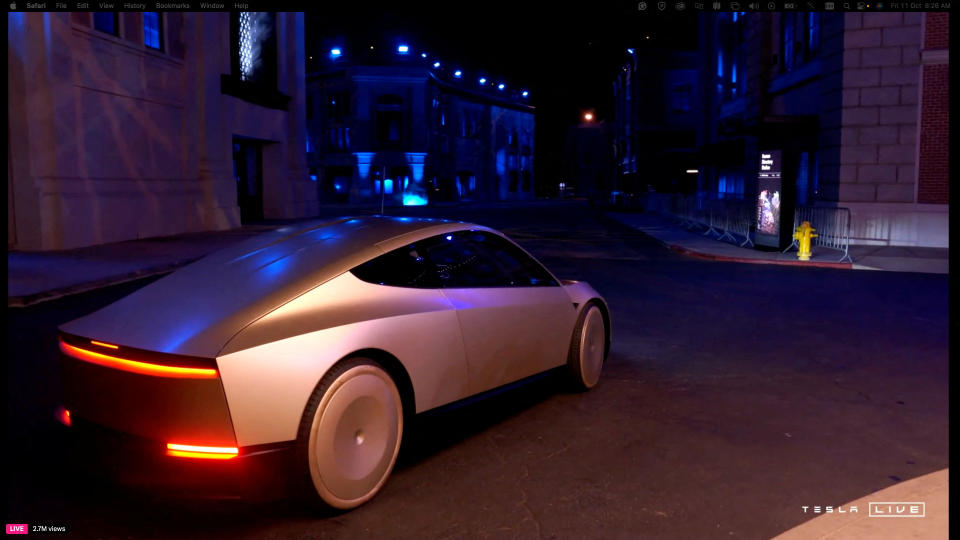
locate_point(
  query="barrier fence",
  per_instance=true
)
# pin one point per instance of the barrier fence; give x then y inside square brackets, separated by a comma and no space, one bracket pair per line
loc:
[727,220]
[832,226]
[734,220]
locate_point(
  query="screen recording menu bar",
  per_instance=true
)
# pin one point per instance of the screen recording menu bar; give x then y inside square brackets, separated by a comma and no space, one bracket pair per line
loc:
[655,6]
[172,5]
[647,6]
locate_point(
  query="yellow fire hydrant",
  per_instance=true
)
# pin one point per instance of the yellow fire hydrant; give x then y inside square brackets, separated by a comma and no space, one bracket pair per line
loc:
[804,234]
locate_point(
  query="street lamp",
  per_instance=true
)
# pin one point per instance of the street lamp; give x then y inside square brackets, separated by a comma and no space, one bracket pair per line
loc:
[588,117]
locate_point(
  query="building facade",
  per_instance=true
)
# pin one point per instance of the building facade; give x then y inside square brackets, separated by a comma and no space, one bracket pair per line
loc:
[133,125]
[397,129]
[654,130]
[856,104]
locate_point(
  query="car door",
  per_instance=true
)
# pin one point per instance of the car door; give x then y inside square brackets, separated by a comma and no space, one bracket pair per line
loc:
[514,317]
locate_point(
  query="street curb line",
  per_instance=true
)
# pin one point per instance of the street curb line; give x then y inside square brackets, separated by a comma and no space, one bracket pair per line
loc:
[36,298]
[724,258]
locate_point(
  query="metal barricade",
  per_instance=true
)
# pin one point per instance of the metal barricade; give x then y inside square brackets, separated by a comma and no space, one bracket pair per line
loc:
[832,225]
[724,219]
[740,220]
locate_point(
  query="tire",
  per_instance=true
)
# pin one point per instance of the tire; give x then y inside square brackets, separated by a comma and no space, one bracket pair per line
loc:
[588,349]
[350,434]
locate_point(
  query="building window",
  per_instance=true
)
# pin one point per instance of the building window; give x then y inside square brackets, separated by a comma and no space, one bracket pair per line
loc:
[390,126]
[468,126]
[254,47]
[799,39]
[730,185]
[731,33]
[338,136]
[107,22]
[680,98]
[153,30]
[808,189]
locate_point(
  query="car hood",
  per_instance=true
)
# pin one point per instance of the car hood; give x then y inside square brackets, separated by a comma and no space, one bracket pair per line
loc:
[197,309]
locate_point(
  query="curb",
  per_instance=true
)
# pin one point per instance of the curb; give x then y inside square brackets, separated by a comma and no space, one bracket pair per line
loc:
[36,298]
[724,258]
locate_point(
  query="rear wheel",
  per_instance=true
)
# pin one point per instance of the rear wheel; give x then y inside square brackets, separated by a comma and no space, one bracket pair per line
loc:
[350,433]
[588,349]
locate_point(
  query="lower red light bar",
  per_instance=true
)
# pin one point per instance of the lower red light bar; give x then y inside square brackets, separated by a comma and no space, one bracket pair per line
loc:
[63,416]
[134,366]
[202,452]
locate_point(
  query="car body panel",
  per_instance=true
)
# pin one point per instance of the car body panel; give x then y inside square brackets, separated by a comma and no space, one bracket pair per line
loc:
[198,308]
[269,376]
[511,333]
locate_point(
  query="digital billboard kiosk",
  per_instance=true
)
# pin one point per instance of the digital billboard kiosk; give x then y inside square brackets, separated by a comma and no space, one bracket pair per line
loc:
[769,199]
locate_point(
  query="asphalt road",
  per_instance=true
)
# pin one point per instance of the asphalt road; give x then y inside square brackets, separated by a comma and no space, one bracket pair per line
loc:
[734,395]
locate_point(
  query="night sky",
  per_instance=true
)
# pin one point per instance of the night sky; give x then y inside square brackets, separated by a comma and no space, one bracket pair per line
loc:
[567,57]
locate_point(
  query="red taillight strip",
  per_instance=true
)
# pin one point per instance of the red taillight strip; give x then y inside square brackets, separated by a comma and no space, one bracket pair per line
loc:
[63,416]
[202,452]
[102,344]
[133,366]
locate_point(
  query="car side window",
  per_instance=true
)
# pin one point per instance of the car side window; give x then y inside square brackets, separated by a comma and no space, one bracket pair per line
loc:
[402,267]
[461,264]
[463,259]
[523,270]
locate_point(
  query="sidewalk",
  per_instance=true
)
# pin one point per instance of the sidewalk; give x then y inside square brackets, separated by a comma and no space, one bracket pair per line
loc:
[34,277]
[695,244]
[931,489]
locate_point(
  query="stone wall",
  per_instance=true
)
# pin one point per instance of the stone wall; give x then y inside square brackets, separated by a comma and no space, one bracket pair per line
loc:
[110,140]
[879,120]
[880,132]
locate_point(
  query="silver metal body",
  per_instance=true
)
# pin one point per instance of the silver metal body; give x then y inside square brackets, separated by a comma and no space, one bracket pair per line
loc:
[278,311]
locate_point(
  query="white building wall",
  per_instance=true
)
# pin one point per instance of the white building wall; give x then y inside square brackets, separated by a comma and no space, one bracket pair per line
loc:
[111,141]
[880,119]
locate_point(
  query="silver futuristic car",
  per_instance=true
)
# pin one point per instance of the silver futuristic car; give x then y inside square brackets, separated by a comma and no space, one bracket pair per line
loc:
[326,337]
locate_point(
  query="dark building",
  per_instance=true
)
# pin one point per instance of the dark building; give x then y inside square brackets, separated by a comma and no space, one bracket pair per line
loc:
[856,104]
[587,151]
[656,105]
[388,122]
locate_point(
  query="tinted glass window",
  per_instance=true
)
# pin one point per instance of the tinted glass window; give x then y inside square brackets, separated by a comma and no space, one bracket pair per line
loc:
[456,260]
[105,22]
[403,267]
[461,263]
[523,270]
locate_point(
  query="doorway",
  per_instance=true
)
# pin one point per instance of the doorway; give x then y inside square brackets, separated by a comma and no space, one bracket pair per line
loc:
[248,172]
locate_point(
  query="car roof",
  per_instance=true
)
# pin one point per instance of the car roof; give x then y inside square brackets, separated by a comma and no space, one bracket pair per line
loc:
[198,308]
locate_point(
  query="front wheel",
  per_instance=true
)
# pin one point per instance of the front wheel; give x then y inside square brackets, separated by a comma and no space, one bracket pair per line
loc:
[350,433]
[588,349]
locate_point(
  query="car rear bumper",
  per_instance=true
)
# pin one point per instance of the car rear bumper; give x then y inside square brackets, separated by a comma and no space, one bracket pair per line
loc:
[98,453]
[169,407]
[128,406]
